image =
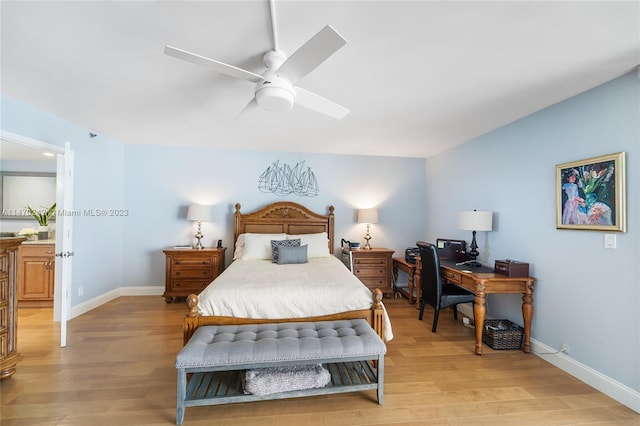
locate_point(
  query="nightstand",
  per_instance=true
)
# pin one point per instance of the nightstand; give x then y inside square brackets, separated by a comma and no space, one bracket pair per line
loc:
[189,271]
[372,267]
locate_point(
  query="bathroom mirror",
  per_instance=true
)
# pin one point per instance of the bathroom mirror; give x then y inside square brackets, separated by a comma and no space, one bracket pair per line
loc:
[21,189]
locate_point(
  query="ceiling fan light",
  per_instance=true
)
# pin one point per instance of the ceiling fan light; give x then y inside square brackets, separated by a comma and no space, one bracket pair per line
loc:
[275,99]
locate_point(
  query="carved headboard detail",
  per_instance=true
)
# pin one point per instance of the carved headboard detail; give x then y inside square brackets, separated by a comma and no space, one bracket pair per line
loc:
[283,217]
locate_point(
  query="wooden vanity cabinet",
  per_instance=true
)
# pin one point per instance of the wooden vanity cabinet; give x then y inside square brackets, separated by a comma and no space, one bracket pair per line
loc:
[36,274]
[9,355]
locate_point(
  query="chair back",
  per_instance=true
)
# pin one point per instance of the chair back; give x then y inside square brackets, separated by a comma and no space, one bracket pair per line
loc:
[430,273]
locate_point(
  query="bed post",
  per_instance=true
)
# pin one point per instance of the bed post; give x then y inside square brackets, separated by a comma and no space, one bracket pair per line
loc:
[378,313]
[190,322]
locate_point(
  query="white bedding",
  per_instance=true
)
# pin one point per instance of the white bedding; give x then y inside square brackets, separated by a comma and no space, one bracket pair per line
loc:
[258,288]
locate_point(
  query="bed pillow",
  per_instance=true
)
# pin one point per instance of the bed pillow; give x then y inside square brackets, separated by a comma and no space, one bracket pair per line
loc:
[237,253]
[276,244]
[258,246]
[318,243]
[291,255]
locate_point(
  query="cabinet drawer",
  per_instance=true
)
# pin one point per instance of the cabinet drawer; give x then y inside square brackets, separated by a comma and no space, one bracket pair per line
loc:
[4,290]
[4,321]
[39,250]
[370,270]
[373,282]
[4,262]
[184,284]
[190,262]
[191,272]
[369,261]
[4,344]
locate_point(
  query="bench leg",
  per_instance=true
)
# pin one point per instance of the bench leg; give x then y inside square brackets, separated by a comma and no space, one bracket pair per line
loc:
[380,378]
[182,394]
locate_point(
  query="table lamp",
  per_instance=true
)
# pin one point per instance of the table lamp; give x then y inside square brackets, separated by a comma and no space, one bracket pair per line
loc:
[200,213]
[475,221]
[368,216]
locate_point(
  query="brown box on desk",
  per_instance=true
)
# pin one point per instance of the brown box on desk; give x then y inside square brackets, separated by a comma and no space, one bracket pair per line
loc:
[511,268]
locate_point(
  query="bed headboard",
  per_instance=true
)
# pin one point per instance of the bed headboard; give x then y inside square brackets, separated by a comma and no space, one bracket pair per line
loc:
[283,217]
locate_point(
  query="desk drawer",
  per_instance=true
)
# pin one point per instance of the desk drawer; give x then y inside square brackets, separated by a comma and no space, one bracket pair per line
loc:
[452,276]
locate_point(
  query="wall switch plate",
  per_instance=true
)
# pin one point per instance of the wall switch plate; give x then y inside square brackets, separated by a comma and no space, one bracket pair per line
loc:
[610,241]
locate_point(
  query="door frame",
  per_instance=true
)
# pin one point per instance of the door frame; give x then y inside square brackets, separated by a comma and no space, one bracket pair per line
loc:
[61,305]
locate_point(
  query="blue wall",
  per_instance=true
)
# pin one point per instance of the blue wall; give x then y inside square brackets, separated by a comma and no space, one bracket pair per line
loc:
[586,296]
[161,181]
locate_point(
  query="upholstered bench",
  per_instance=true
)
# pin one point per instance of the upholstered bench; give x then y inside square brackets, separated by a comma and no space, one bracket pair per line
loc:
[212,363]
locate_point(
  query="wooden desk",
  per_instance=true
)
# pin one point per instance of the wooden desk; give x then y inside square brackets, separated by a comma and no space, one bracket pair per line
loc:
[483,281]
[399,263]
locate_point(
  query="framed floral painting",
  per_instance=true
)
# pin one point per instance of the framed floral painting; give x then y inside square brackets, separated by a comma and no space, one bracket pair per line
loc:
[590,194]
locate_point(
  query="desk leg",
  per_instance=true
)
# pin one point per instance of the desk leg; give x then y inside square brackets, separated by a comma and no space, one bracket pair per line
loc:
[527,316]
[479,311]
[411,275]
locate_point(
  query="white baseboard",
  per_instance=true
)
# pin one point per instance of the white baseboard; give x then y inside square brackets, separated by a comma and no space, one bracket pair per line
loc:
[84,307]
[616,390]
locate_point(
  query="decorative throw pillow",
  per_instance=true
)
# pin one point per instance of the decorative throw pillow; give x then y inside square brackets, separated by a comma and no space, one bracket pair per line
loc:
[276,244]
[291,255]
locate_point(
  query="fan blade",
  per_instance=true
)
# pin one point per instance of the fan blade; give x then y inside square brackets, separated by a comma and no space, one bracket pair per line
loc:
[212,64]
[311,54]
[317,103]
[251,106]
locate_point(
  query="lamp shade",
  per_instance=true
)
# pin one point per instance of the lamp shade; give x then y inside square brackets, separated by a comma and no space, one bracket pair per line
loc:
[199,212]
[368,216]
[475,220]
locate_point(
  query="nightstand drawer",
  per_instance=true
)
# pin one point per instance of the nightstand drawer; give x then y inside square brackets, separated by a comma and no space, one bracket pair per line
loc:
[374,282]
[193,285]
[370,270]
[369,261]
[193,272]
[191,262]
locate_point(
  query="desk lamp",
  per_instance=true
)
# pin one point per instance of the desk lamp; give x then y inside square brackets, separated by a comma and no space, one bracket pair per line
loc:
[200,213]
[475,221]
[368,216]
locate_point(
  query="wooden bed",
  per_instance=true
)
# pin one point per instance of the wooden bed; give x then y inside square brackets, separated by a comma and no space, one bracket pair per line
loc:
[290,218]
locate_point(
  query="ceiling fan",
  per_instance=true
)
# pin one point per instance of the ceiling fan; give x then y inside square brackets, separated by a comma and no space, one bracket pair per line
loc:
[275,89]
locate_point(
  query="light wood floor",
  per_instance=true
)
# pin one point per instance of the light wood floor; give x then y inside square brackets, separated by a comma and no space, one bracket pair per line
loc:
[118,369]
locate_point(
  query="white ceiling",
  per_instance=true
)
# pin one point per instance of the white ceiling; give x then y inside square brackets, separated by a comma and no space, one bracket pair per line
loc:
[419,77]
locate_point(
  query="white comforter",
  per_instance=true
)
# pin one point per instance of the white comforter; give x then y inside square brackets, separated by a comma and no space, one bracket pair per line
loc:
[261,289]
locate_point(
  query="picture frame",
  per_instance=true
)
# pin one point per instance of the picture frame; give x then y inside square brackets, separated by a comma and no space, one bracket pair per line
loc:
[590,194]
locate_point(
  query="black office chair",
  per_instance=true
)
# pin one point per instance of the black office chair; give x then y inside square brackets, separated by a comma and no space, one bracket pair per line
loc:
[433,292]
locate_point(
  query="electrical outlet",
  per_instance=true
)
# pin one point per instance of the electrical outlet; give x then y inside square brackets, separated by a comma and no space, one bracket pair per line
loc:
[80,291]
[564,348]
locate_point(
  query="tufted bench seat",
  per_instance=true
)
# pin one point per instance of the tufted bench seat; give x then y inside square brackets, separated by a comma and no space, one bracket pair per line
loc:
[211,363]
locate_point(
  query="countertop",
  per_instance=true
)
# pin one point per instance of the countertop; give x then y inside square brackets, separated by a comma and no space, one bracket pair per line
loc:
[36,242]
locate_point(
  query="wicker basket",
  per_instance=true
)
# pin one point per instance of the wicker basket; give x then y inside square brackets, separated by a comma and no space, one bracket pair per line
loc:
[502,334]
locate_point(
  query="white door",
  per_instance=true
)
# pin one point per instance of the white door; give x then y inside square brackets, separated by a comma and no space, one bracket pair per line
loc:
[64,240]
